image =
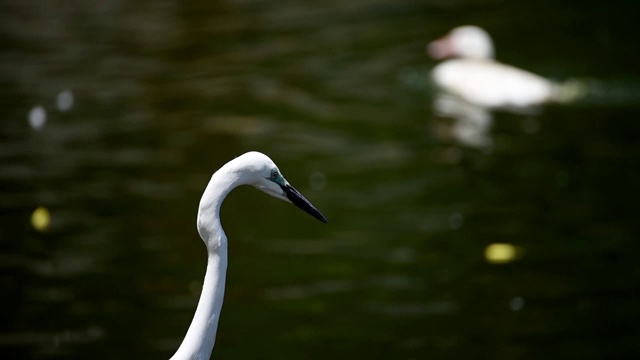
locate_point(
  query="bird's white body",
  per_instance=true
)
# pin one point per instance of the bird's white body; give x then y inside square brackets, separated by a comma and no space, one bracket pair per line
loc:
[492,84]
[252,168]
[476,77]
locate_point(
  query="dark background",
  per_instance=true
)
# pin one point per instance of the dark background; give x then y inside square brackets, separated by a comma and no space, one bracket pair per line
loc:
[336,93]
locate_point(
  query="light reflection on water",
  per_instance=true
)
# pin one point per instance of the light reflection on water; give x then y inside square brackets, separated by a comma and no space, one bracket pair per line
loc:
[142,103]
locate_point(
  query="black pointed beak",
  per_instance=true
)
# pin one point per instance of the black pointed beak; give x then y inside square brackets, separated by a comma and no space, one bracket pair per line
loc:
[298,200]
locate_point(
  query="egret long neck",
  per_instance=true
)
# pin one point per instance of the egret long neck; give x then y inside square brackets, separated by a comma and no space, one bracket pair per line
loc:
[200,338]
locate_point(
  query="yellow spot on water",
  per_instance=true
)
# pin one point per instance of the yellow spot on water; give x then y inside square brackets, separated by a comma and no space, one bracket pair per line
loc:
[498,253]
[41,219]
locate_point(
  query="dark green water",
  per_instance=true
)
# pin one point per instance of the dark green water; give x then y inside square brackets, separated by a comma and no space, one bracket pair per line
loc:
[166,92]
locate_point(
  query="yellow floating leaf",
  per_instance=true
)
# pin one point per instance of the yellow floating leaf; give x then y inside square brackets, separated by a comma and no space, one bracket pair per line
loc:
[500,253]
[41,219]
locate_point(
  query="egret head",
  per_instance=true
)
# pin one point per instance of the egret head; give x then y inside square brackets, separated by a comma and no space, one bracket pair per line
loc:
[464,41]
[259,170]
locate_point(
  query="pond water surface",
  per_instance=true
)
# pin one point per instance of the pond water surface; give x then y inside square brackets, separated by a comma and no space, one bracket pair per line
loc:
[133,105]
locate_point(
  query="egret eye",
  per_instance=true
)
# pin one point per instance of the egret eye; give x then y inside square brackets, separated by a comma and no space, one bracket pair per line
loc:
[274,174]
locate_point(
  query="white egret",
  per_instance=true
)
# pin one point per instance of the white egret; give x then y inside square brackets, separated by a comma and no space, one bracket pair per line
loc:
[252,168]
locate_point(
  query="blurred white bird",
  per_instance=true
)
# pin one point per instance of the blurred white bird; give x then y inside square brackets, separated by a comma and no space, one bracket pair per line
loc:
[473,75]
